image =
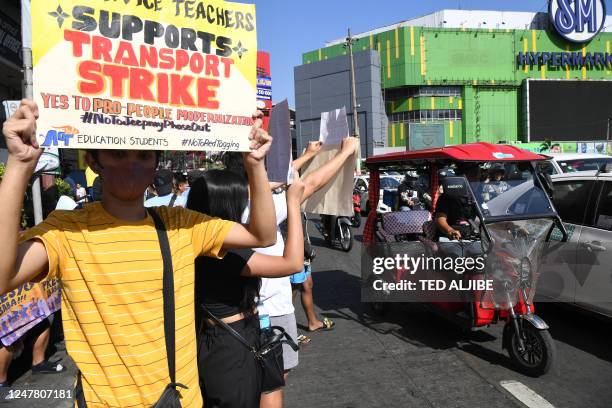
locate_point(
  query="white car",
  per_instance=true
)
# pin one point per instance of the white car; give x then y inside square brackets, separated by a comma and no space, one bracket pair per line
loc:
[387,183]
[579,272]
[572,162]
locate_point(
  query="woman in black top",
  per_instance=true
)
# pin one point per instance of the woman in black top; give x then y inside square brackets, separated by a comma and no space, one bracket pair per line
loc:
[228,288]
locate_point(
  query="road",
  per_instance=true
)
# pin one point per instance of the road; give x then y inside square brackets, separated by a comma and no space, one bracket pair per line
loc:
[410,358]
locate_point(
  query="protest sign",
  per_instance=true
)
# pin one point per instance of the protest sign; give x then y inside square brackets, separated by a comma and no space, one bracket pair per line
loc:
[278,161]
[144,74]
[26,306]
[335,198]
[334,127]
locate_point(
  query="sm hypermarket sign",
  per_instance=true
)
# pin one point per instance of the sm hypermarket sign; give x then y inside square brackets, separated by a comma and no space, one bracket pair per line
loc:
[577,21]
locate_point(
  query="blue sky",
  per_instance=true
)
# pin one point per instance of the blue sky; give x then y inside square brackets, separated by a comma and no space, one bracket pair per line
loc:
[288,28]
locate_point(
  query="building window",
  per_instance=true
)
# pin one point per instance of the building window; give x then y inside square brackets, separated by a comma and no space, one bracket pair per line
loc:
[427,115]
[394,94]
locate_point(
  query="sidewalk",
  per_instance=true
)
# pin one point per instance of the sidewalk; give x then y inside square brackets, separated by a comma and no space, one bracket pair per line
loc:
[54,390]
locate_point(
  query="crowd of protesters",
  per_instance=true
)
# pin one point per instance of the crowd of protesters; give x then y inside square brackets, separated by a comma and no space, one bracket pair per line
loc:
[230,263]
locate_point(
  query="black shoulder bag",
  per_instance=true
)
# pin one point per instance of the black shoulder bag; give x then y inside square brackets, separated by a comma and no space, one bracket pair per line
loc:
[270,352]
[170,397]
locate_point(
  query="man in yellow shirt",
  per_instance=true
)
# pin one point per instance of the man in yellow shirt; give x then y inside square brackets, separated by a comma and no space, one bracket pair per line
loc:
[108,259]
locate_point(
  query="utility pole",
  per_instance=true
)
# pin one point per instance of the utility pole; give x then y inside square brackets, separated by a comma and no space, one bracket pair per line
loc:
[28,93]
[349,45]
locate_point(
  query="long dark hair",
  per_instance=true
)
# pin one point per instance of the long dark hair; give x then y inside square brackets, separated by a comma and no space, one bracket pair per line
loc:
[224,194]
[219,193]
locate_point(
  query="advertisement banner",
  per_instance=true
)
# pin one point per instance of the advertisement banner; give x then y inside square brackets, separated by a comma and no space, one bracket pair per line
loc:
[151,75]
[26,306]
[264,88]
[425,136]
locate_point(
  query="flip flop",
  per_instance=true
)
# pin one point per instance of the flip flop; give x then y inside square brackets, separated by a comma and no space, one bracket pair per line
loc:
[47,367]
[303,339]
[327,325]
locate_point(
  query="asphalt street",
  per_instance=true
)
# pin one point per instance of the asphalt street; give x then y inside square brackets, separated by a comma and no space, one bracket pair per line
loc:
[409,357]
[412,358]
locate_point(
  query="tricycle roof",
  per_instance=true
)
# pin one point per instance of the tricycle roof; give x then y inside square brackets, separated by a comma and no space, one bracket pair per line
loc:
[477,152]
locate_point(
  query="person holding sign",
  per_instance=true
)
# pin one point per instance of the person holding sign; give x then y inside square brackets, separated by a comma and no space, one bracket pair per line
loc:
[107,256]
[227,288]
[276,296]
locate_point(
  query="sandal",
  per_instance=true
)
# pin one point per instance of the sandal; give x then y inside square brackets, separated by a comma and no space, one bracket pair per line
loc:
[47,367]
[303,339]
[327,325]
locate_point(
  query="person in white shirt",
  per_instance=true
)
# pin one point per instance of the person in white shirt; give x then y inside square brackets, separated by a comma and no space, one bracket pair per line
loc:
[81,194]
[276,298]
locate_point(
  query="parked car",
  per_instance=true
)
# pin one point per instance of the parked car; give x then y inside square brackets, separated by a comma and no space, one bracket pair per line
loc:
[572,162]
[387,183]
[579,272]
[396,175]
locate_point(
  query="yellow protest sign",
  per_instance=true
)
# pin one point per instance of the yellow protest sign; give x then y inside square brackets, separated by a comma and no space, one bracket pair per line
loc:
[144,74]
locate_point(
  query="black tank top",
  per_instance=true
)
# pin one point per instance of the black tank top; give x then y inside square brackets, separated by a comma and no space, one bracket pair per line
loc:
[219,285]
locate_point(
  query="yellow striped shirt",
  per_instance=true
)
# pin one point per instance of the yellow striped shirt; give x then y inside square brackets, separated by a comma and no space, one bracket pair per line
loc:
[112,302]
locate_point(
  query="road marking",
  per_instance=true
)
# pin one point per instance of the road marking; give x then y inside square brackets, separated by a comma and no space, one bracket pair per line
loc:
[525,394]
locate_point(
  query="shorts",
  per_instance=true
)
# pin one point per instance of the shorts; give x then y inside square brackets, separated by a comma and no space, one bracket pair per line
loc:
[287,322]
[230,376]
[300,277]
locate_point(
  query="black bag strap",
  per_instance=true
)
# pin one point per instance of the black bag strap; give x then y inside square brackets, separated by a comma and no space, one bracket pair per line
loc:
[172,200]
[306,234]
[309,252]
[231,331]
[281,337]
[168,289]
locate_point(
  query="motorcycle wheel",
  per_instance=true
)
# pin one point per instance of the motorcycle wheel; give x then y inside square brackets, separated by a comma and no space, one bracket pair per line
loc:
[539,351]
[347,242]
[356,220]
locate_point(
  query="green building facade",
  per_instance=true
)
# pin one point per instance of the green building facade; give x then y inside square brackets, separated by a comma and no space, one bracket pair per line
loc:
[470,80]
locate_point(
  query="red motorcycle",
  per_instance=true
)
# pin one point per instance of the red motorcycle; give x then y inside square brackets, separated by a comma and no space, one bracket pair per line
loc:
[356,219]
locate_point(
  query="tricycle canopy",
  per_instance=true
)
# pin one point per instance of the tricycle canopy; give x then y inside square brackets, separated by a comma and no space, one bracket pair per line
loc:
[502,181]
[472,152]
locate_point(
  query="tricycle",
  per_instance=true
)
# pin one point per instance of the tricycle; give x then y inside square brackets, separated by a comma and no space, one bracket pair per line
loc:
[490,205]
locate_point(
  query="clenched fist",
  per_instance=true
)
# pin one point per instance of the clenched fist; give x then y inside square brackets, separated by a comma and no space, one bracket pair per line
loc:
[20,134]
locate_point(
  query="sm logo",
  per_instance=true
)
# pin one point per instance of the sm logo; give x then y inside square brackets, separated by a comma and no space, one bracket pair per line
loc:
[63,134]
[578,21]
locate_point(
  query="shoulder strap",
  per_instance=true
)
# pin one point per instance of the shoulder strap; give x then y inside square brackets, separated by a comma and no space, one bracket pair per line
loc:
[172,200]
[168,285]
[306,235]
[231,331]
